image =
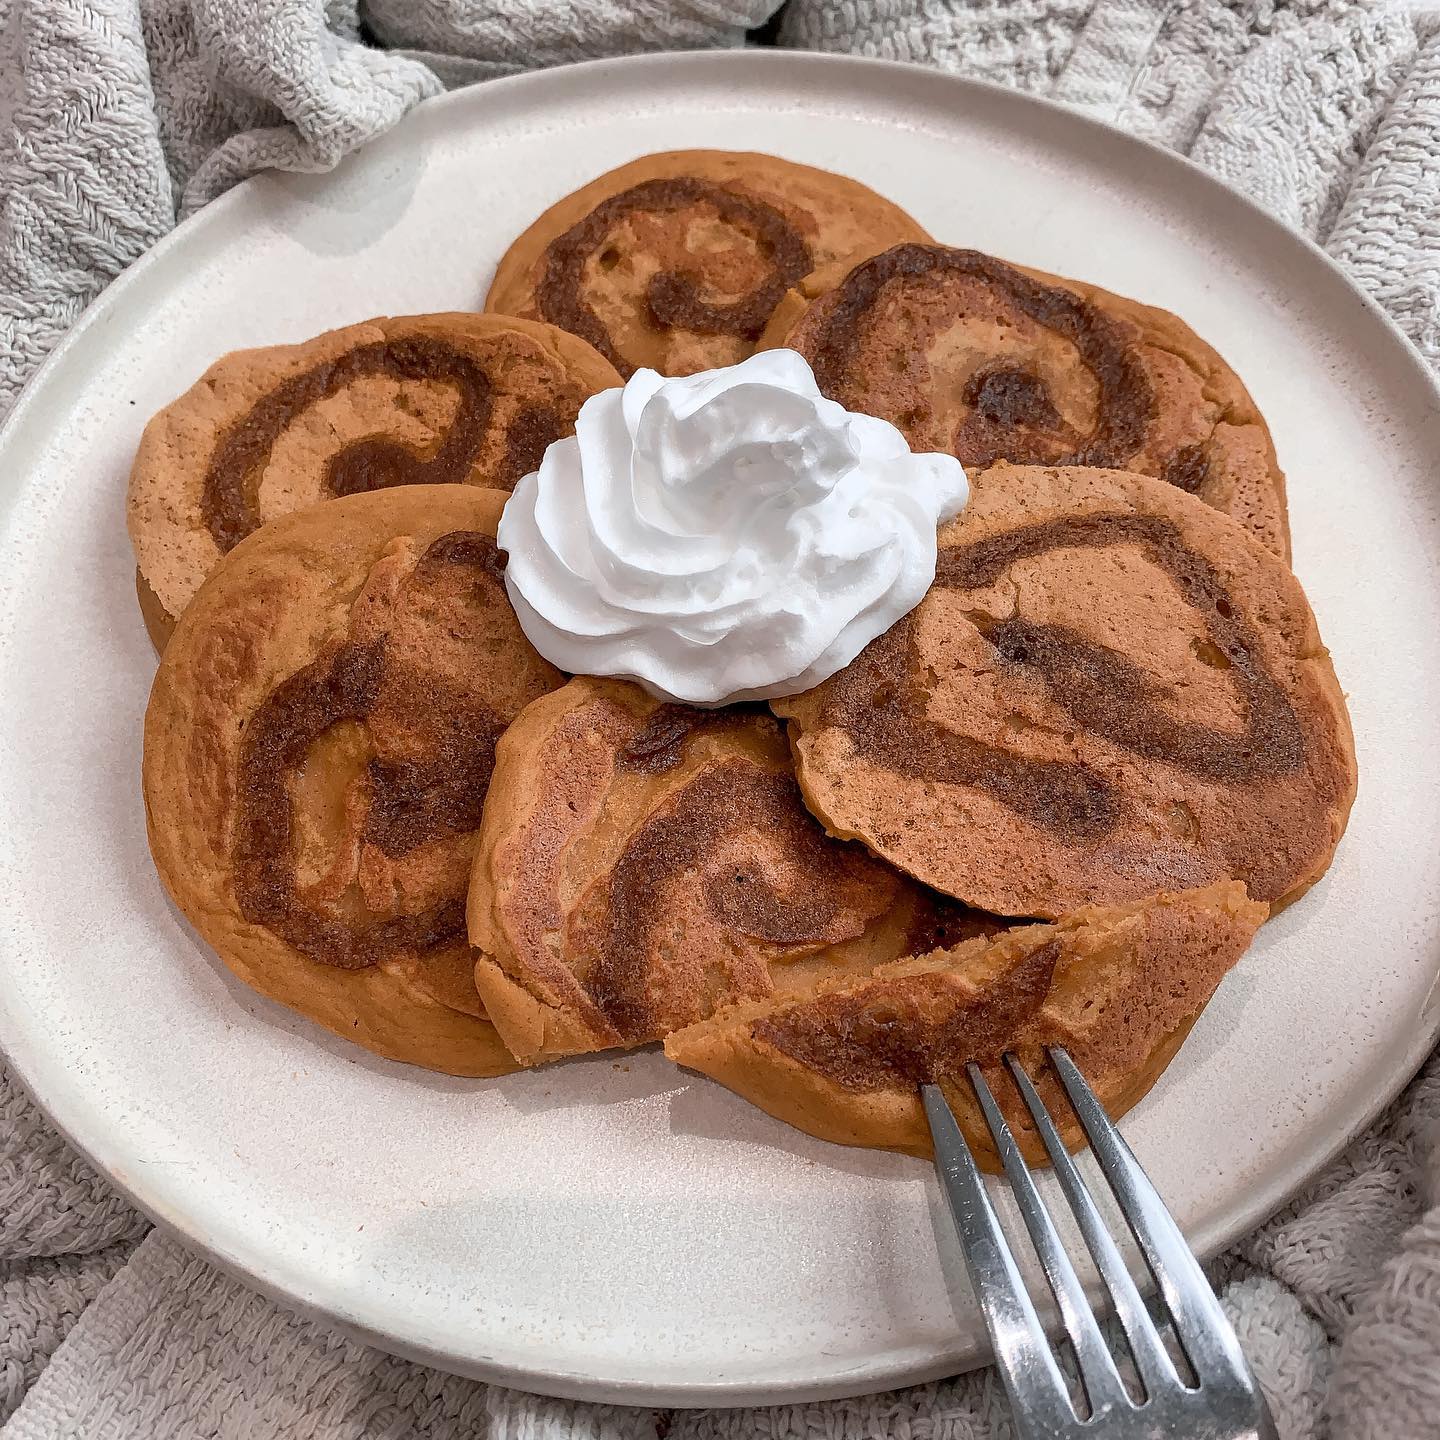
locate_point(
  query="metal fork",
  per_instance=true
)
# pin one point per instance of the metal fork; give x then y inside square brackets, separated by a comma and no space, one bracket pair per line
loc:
[1221,1402]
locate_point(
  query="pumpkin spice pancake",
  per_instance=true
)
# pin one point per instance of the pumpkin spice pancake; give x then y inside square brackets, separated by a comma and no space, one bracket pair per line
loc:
[1110,690]
[990,361]
[427,399]
[641,863]
[318,746]
[675,261]
[1117,987]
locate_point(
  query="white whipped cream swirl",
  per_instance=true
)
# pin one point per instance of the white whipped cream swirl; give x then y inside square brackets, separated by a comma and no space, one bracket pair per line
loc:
[731,535]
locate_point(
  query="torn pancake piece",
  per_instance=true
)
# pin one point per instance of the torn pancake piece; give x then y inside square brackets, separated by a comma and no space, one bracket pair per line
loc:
[1117,986]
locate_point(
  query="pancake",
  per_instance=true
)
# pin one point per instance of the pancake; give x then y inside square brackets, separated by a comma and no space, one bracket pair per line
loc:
[991,362]
[1110,690]
[1117,987]
[641,863]
[421,399]
[675,261]
[318,745]
[159,622]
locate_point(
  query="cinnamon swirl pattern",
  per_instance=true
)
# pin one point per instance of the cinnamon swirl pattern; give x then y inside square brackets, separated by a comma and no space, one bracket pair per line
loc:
[676,261]
[991,361]
[642,863]
[318,747]
[1118,987]
[435,399]
[1110,690]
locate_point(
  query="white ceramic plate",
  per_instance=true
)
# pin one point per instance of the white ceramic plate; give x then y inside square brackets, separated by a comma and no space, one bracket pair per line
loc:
[622,1230]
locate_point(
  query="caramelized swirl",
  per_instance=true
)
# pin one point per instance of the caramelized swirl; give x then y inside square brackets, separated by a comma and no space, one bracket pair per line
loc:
[659,745]
[724,800]
[1011,414]
[653,863]
[431,753]
[911,1031]
[229,494]
[880,703]
[674,297]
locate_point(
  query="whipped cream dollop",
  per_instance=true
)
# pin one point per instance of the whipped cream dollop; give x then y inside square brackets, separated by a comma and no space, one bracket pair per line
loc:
[731,535]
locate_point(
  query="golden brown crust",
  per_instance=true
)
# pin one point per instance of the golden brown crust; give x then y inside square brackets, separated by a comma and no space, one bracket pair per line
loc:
[421,398]
[641,863]
[1118,988]
[159,622]
[676,260]
[992,361]
[1110,690]
[318,744]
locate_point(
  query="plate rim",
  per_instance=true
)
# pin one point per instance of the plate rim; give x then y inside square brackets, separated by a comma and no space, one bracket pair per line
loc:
[752,67]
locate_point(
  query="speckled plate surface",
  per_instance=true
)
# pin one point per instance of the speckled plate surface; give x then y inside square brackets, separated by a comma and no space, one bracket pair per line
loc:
[624,1230]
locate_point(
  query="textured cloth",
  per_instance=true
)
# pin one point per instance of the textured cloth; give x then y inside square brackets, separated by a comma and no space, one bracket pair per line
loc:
[117,118]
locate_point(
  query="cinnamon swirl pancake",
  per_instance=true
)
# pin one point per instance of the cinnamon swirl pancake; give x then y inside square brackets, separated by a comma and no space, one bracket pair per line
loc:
[422,399]
[1110,690]
[318,745]
[1117,987]
[991,362]
[675,261]
[641,863]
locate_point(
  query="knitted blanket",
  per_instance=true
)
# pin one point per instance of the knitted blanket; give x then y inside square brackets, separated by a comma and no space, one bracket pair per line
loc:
[119,117]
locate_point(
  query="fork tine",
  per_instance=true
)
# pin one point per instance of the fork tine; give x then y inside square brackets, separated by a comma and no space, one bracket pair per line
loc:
[1200,1323]
[1146,1348]
[1097,1370]
[1032,1379]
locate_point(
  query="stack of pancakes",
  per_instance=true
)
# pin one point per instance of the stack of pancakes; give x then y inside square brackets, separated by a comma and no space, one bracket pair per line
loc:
[1052,805]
